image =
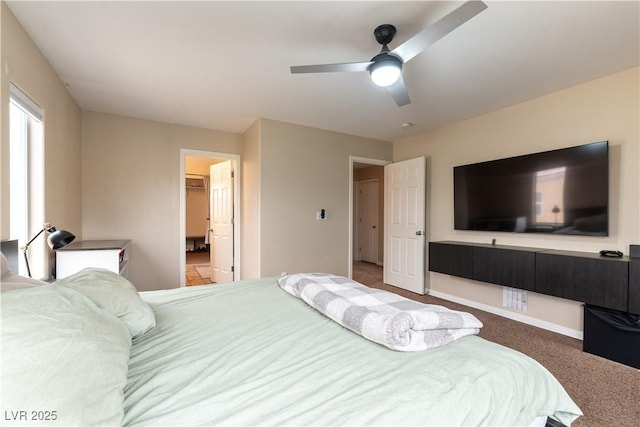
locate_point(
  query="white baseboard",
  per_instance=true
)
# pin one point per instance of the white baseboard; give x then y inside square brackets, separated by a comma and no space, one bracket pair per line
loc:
[573,333]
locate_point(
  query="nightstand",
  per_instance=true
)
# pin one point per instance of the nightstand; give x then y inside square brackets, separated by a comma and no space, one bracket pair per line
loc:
[112,255]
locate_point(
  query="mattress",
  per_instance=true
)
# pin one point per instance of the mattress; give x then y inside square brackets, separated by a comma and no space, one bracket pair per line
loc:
[248,353]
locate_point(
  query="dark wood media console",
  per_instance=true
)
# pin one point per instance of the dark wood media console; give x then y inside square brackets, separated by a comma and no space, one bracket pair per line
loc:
[634,285]
[602,281]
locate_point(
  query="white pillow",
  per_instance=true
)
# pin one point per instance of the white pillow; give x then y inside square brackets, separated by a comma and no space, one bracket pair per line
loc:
[114,293]
[64,360]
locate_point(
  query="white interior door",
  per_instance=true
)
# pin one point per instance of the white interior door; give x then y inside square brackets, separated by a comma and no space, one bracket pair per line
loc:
[221,209]
[404,254]
[369,221]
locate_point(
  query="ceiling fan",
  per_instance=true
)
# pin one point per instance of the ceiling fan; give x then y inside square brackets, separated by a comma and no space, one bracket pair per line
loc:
[386,67]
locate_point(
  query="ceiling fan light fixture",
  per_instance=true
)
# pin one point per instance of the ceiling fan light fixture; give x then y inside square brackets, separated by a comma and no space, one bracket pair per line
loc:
[385,70]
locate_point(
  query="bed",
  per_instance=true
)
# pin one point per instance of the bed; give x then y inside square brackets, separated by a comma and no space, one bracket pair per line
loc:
[90,350]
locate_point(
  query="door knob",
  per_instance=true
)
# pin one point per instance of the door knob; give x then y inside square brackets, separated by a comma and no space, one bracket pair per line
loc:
[418,233]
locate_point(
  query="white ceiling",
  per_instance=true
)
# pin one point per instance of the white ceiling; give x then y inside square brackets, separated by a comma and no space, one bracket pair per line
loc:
[221,65]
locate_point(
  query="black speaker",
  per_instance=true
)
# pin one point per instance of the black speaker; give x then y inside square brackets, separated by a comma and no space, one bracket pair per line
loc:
[634,251]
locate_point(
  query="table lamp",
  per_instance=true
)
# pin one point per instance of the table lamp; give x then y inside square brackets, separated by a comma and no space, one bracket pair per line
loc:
[56,240]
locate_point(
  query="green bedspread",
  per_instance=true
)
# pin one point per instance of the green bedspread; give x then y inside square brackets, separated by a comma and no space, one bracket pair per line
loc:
[248,353]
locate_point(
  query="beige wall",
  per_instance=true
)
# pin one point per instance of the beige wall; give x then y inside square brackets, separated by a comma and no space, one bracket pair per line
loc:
[199,165]
[603,109]
[196,206]
[24,65]
[303,170]
[131,188]
[250,221]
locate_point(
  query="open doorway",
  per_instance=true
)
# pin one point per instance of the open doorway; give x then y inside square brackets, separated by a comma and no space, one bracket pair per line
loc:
[366,252]
[197,217]
[209,255]
[404,234]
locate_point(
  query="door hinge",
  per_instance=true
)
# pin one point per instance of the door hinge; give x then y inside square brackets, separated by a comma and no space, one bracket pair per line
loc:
[233,269]
[232,174]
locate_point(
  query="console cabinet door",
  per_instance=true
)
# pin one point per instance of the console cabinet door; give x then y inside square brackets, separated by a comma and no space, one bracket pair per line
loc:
[634,286]
[451,258]
[506,267]
[555,276]
[598,281]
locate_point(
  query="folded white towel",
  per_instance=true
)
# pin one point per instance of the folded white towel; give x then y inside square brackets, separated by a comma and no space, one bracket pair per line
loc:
[380,316]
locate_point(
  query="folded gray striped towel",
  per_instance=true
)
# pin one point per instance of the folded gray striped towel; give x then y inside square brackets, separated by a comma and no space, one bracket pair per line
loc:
[380,316]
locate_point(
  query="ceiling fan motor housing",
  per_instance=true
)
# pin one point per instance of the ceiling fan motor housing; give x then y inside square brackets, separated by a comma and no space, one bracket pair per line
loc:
[386,59]
[384,33]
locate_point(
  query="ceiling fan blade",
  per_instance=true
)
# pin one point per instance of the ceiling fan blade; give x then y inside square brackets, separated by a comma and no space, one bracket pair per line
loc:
[398,91]
[331,68]
[436,31]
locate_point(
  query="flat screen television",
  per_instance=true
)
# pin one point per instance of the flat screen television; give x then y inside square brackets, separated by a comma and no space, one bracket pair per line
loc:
[563,191]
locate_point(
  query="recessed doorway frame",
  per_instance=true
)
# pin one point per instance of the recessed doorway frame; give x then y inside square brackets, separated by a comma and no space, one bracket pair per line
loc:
[184,152]
[352,161]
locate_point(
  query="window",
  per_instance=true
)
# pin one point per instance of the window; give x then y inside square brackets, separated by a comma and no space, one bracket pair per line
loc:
[26,178]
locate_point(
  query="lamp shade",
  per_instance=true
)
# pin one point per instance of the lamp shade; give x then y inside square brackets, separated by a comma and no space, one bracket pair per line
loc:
[59,238]
[385,70]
